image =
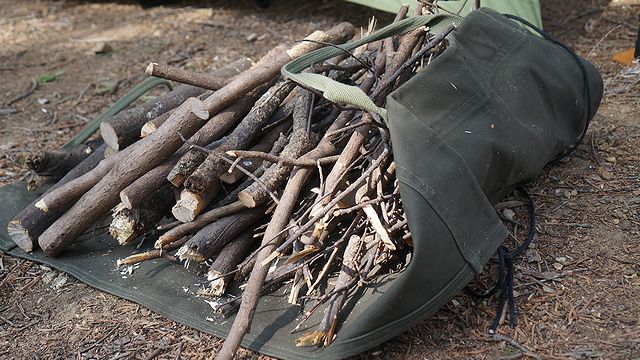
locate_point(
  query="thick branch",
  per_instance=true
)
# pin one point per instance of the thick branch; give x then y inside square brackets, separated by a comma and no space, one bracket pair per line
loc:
[213,81]
[210,132]
[269,65]
[128,224]
[198,223]
[220,272]
[145,155]
[256,194]
[56,163]
[212,238]
[248,129]
[29,223]
[123,129]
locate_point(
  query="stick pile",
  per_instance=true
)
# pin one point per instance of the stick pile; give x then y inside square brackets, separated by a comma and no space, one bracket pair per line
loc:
[265,180]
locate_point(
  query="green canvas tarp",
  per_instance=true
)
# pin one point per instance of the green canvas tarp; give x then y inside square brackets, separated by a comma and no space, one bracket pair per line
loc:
[537,94]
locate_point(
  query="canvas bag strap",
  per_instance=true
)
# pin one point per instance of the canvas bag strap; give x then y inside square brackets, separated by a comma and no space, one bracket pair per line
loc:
[340,93]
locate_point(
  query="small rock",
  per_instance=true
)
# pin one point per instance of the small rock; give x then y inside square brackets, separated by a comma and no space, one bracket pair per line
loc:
[455,302]
[43,101]
[557,266]
[48,277]
[562,260]
[101,48]
[547,289]
[533,256]
[59,281]
[508,213]
[252,37]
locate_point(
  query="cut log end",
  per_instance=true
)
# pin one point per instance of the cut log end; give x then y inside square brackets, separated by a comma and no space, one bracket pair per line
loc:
[123,226]
[246,199]
[20,236]
[164,241]
[187,253]
[217,283]
[109,135]
[149,70]
[109,152]
[42,206]
[124,198]
[188,207]
[147,129]
[176,179]
[198,108]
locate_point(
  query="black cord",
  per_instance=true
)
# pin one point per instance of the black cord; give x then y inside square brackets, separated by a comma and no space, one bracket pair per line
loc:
[506,269]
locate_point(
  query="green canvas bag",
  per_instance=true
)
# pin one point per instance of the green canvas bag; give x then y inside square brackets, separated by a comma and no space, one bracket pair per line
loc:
[484,117]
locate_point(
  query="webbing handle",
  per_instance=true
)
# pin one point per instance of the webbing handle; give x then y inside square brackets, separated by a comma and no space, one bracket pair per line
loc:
[348,94]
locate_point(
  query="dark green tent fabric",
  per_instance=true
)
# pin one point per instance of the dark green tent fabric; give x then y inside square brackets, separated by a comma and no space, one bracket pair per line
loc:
[526,9]
[487,115]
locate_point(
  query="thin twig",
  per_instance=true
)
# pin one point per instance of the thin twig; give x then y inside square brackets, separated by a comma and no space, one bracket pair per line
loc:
[247,154]
[32,89]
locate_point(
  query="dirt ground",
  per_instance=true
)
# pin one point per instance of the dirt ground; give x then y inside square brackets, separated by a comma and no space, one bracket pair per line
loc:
[578,287]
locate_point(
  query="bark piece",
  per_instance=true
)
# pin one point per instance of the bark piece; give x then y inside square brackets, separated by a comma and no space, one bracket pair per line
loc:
[145,155]
[151,254]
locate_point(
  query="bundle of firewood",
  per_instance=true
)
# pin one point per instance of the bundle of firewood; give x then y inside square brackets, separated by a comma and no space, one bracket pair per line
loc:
[266,181]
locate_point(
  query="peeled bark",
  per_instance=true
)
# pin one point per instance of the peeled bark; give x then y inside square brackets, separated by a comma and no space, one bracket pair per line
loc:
[151,254]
